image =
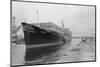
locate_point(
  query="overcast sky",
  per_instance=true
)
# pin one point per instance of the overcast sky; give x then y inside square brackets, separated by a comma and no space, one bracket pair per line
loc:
[79,19]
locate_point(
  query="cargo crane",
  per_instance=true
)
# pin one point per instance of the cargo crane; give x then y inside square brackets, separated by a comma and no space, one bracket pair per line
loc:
[14,30]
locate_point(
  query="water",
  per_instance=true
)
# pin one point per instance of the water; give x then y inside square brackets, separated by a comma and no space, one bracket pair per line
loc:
[69,52]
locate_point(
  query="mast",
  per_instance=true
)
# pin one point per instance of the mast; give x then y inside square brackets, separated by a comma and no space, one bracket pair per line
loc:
[37,16]
[14,22]
[62,24]
[63,27]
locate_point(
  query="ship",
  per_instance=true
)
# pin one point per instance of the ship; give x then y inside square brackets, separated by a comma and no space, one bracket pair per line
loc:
[40,41]
[34,35]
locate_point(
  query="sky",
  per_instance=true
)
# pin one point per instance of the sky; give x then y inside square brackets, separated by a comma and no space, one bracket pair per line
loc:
[79,19]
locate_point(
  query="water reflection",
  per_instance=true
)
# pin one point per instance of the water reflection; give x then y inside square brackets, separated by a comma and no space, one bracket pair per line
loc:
[70,52]
[43,55]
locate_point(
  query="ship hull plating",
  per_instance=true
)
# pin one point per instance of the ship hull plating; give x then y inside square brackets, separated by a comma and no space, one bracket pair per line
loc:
[40,42]
[34,35]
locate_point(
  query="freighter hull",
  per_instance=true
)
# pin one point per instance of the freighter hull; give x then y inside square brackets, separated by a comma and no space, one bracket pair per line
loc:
[34,35]
[40,42]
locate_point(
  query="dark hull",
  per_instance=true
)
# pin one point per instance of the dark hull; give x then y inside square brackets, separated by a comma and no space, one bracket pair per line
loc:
[34,35]
[40,42]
